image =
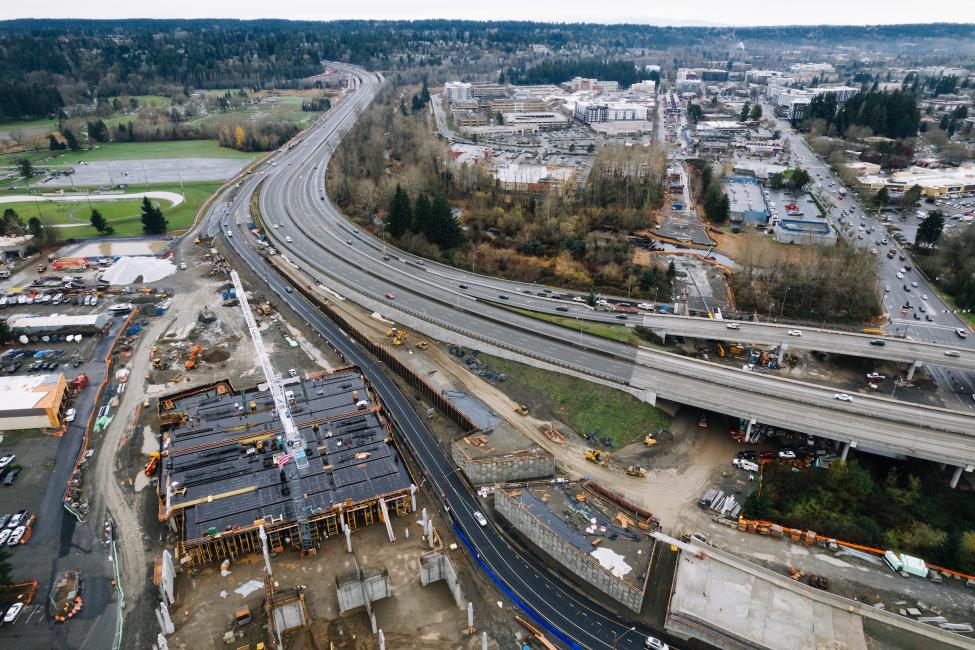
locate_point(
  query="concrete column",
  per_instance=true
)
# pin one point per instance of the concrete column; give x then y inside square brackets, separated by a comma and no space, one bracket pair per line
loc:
[782,348]
[470,617]
[413,490]
[348,538]
[423,521]
[430,532]
[846,450]
[406,533]
[956,477]
[748,431]
[372,622]
[910,371]
[484,641]
[650,396]
[382,640]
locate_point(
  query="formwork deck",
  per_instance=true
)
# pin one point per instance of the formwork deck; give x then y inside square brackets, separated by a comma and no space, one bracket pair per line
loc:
[220,479]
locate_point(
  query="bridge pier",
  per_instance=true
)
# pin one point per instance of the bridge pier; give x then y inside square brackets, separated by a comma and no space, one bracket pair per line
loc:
[650,396]
[910,372]
[782,348]
[956,477]
[846,449]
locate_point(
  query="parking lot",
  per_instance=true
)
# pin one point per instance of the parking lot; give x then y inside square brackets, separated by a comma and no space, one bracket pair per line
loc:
[34,460]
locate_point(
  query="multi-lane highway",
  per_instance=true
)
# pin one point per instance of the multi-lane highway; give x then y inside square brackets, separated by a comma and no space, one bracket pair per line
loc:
[314,233]
[575,620]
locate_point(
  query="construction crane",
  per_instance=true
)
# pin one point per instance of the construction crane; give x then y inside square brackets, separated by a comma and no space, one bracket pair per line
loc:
[294,443]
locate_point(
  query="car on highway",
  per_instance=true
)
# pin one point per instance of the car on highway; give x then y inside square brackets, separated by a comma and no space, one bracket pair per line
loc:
[924,296]
[653,643]
[887,289]
[561,309]
[348,241]
[480,518]
[733,326]
[878,342]
[794,332]
[900,276]
[288,239]
[621,317]
[843,397]
[390,295]
[70,415]
[961,333]
[289,290]
[646,306]
[578,299]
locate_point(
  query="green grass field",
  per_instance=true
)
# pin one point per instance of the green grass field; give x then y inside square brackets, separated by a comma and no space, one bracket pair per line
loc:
[144,100]
[582,405]
[123,215]
[611,331]
[129,151]
[47,123]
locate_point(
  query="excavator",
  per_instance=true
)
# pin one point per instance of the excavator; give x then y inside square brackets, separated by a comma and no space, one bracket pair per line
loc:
[191,358]
[597,456]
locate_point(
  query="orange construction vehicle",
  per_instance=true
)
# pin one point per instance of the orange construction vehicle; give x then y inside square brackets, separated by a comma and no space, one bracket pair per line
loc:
[191,359]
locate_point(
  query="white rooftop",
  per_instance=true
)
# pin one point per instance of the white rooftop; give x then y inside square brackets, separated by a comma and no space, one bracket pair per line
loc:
[55,320]
[128,269]
[21,391]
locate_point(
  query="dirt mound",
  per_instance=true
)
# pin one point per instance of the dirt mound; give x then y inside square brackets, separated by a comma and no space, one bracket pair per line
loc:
[216,356]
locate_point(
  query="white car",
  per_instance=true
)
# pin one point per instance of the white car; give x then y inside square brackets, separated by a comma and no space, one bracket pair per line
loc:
[914,284]
[578,299]
[480,518]
[288,239]
[13,612]
[6,460]
[276,226]
[646,306]
[787,454]
[16,536]
[94,301]
[961,333]
[843,397]
[292,372]
[952,353]
[653,643]
[733,326]
[70,415]
[795,332]
[5,535]
[900,276]
[924,296]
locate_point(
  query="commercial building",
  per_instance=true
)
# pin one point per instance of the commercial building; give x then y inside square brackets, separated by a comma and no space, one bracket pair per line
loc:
[542,120]
[517,105]
[747,203]
[591,112]
[222,458]
[14,247]
[595,535]
[458,91]
[32,401]
[648,86]
[933,182]
[533,178]
[592,85]
[486,91]
[688,81]
[793,102]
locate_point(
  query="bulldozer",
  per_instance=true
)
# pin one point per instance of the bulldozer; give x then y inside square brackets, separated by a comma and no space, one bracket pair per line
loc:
[400,338]
[422,345]
[597,456]
[521,409]
[639,472]
[191,358]
[649,440]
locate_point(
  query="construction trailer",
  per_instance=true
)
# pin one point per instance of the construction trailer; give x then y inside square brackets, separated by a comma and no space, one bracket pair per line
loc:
[222,454]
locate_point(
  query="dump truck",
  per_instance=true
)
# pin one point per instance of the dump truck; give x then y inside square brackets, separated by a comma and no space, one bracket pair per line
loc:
[597,456]
[633,470]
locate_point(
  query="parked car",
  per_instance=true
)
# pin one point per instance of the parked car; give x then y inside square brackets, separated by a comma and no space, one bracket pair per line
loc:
[13,612]
[16,536]
[5,535]
[70,415]
[787,454]
[7,459]
[11,477]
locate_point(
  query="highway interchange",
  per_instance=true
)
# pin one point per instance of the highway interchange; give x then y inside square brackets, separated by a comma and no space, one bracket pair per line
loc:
[333,251]
[318,239]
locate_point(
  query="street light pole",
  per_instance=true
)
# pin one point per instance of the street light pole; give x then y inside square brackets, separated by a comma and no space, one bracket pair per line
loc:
[617,637]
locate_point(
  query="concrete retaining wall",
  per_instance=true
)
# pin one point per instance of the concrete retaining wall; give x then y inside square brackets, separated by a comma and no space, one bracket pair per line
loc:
[539,464]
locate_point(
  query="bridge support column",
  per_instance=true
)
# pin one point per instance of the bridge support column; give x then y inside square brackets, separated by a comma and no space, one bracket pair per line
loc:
[846,450]
[650,396]
[956,477]
[748,431]
[910,371]
[782,348]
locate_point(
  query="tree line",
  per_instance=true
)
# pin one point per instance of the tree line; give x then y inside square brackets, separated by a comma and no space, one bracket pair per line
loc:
[556,71]
[893,115]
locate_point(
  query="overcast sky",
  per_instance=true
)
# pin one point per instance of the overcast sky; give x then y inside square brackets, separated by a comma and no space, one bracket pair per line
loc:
[724,12]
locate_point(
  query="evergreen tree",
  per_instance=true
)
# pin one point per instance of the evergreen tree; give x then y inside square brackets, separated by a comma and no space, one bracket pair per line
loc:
[443,229]
[743,115]
[400,218]
[25,168]
[422,215]
[71,141]
[54,144]
[756,113]
[930,229]
[12,225]
[35,227]
[153,222]
[98,221]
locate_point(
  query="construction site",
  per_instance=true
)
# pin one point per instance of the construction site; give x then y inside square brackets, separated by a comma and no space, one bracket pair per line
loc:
[600,539]
[223,456]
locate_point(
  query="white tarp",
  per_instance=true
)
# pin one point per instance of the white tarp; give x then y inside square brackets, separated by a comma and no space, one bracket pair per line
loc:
[127,269]
[612,561]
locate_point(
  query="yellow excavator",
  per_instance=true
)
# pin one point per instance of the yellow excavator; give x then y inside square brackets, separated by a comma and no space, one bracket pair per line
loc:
[597,456]
[521,409]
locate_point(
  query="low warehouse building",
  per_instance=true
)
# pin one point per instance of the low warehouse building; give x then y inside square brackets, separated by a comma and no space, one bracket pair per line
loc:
[32,401]
[56,323]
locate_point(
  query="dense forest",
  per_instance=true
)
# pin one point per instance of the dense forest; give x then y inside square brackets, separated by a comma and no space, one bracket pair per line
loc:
[894,115]
[952,266]
[555,71]
[86,59]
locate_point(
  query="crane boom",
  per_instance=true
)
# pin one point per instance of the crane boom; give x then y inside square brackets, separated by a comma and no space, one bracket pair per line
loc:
[294,443]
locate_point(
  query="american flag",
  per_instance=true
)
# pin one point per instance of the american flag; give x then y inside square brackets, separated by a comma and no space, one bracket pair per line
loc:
[283,460]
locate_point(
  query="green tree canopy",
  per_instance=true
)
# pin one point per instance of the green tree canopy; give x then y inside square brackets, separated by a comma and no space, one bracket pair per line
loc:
[153,222]
[930,229]
[400,217]
[98,221]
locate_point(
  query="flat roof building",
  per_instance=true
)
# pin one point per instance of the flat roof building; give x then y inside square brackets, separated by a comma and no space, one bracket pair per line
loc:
[32,401]
[84,323]
[458,91]
[933,182]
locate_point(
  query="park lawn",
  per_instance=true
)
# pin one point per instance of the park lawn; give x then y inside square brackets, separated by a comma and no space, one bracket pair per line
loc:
[128,211]
[147,150]
[44,123]
[144,100]
[581,404]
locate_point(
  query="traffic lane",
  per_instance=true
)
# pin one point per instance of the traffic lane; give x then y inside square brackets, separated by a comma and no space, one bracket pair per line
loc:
[908,439]
[539,591]
[887,410]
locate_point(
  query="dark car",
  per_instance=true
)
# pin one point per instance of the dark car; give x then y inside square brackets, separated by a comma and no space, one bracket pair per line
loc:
[11,477]
[464,286]
[289,289]
[878,342]
[621,317]
[561,309]
[502,296]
